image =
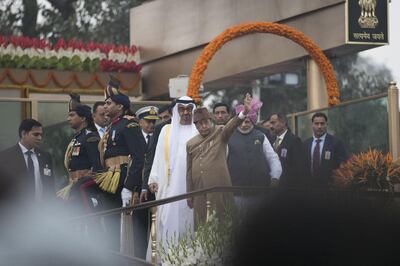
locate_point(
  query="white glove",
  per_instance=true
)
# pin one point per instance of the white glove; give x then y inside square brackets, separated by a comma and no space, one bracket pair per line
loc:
[126,196]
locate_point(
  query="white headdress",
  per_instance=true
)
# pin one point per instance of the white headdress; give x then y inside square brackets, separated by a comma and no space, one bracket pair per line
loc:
[179,131]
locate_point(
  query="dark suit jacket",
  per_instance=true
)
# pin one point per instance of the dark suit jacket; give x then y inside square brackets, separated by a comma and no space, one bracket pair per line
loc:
[14,171]
[269,136]
[333,154]
[290,153]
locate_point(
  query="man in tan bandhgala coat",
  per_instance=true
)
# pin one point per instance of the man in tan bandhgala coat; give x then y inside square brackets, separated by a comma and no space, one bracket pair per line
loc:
[206,162]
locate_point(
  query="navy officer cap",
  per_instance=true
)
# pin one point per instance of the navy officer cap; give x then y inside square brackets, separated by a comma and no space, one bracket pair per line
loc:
[148,113]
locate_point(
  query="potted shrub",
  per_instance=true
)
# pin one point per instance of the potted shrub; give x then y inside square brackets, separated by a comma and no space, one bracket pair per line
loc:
[368,171]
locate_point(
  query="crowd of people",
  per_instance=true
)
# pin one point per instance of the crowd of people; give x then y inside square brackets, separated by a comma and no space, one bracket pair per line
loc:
[117,159]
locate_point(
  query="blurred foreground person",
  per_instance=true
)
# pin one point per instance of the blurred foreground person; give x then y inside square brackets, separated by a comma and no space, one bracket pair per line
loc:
[319,229]
[44,236]
[27,169]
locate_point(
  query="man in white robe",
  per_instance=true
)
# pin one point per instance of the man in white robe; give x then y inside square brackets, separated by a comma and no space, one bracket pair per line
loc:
[168,173]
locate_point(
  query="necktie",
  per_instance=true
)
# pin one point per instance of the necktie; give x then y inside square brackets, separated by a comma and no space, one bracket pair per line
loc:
[31,168]
[276,143]
[148,140]
[316,158]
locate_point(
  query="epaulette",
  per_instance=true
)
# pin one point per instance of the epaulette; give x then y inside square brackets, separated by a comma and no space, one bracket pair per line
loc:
[132,124]
[93,139]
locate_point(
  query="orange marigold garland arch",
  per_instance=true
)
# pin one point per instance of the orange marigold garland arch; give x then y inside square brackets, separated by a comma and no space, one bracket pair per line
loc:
[263,27]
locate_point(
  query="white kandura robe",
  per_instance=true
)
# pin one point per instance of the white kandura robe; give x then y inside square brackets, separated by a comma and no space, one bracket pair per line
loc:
[174,217]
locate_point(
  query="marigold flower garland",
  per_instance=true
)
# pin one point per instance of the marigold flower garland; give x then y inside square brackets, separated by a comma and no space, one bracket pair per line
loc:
[298,37]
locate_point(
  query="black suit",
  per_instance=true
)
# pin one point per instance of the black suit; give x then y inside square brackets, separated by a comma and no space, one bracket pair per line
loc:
[333,154]
[141,218]
[266,132]
[141,224]
[290,152]
[13,169]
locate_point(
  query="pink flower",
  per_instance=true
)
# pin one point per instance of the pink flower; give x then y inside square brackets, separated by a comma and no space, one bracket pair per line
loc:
[253,114]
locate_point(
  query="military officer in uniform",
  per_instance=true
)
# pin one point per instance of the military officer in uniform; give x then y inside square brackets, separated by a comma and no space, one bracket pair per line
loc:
[122,152]
[82,158]
[147,119]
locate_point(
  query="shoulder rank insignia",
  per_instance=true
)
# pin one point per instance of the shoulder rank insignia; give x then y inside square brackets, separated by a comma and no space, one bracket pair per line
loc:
[132,124]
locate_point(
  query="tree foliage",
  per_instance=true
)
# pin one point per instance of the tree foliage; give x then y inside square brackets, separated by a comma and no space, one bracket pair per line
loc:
[108,21]
[357,77]
[104,21]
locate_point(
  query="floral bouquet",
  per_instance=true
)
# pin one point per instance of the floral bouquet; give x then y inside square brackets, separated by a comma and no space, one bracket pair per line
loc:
[209,245]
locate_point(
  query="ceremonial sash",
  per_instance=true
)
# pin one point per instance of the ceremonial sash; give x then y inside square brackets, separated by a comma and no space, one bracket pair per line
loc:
[68,154]
[166,152]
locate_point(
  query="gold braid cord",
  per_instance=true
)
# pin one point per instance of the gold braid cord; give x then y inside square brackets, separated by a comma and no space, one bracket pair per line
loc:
[263,27]
[68,154]
[109,180]
[64,192]
[102,146]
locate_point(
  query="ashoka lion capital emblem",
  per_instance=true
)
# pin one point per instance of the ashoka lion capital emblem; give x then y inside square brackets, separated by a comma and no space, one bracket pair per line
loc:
[367,18]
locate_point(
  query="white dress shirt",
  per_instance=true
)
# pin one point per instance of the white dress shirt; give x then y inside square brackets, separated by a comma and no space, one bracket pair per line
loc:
[272,159]
[145,136]
[281,137]
[100,130]
[38,180]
